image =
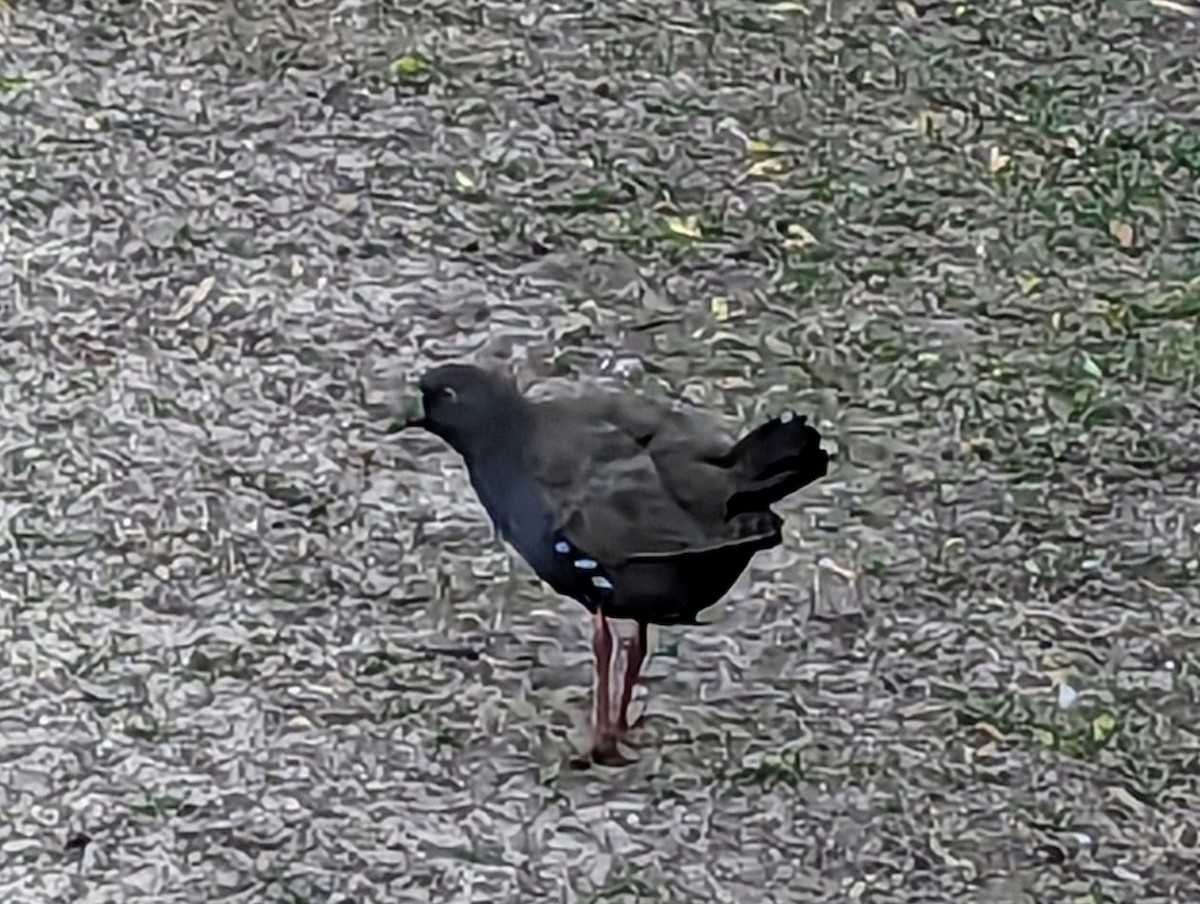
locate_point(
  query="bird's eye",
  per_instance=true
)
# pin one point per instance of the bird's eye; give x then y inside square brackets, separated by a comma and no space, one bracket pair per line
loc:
[450,393]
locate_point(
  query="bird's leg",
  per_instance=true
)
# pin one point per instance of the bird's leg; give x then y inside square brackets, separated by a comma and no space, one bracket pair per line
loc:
[635,655]
[604,739]
[602,649]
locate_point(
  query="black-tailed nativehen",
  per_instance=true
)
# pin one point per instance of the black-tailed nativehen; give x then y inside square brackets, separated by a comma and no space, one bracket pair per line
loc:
[633,508]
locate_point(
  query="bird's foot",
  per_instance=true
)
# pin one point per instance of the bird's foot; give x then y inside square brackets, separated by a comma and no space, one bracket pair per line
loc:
[606,750]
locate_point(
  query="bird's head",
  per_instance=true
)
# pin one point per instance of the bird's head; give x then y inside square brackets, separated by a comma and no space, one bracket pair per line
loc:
[464,405]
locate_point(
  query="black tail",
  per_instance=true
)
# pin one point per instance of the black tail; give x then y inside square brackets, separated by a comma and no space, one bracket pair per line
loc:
[778,458]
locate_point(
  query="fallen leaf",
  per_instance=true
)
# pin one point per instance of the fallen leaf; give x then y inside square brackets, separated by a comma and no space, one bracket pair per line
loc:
[202,289]
[1182,8]
[1103,727]
[777,346]
[991,730]
[464,180]
[767,166]
[688,227]
[719,306]
[758,146]
[1122,232]
[798,237]
[195,297]
[997,160]
[13,82]
[734,383]
[409,65]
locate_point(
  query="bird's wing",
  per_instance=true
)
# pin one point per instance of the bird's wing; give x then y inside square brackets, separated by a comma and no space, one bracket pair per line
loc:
[629,477]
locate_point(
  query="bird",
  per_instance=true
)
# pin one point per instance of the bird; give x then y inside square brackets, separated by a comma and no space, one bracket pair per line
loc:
[636,509]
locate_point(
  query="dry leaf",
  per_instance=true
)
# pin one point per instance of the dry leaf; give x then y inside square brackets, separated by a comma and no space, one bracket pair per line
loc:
[1122,232]
[195,297]
[688,227]
[777,346]
[767,166]
[409,65]
[719,307]
[906,10]
[758,146]
[1182,8]
[463,179]
[798,237]
[734,383]
[997,160]
[1103,727]
[991,730]
[202,289]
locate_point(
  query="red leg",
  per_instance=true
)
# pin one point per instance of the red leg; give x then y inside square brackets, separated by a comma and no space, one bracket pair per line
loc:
[604,738]
[602,650]
[636,655]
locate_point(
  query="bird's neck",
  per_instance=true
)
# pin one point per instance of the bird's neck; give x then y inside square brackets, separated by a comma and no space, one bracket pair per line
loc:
[503,478]
[496,443]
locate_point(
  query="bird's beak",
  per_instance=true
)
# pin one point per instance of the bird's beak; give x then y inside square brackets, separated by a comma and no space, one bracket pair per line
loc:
[412,414]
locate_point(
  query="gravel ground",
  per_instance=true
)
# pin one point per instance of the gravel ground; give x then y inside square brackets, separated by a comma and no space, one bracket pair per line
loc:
[252,649]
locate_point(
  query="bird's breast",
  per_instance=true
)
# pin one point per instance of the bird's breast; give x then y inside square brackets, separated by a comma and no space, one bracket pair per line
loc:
[523,517]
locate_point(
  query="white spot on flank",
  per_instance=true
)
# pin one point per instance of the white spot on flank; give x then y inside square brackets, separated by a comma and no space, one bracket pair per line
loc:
[562,546]
[586,564]
[602,582]
[786,417]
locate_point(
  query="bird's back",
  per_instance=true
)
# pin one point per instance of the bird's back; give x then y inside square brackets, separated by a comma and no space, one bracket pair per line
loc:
[640,495]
